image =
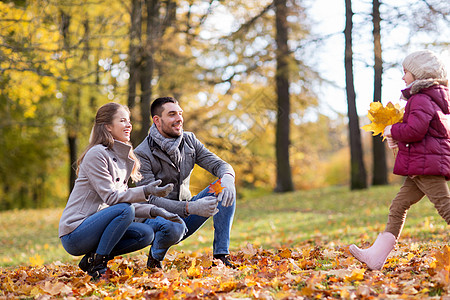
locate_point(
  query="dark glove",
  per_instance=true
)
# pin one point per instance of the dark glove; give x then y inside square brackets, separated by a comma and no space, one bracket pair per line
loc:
[161,212]
[154,189]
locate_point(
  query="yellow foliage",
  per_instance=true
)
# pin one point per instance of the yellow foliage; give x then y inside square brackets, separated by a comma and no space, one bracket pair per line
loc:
[357,275]
[36,260]
[442,259]
[194,271]
[381,117]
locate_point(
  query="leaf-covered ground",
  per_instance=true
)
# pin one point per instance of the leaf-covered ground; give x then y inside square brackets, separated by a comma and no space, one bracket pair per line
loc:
[290,246]
[411,272]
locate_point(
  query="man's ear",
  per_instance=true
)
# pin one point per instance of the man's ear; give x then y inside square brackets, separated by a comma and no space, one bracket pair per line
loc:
[156,120]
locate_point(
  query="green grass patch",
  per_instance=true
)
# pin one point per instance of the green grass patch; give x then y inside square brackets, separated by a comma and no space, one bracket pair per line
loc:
[330,216]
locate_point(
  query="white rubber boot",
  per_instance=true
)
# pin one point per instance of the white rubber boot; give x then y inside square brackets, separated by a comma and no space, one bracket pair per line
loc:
[375,256]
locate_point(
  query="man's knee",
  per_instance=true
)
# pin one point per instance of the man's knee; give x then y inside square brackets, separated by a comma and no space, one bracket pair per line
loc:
[147,237]
[176,231]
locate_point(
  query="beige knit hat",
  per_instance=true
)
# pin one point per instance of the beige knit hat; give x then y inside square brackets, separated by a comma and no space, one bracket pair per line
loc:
[425,64]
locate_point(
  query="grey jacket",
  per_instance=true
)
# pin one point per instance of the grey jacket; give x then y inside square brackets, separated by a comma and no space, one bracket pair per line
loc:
[156,164]
[102,180]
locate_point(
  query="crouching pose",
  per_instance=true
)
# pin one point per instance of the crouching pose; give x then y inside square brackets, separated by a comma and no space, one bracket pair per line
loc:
[169,154]
[97,221]
[423,143]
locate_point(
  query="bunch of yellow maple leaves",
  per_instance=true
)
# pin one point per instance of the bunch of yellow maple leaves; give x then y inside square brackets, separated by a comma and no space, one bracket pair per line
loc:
[382,116]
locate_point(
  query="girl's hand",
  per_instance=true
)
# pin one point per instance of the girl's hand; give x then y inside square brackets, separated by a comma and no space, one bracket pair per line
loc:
[387,131]
[391,142]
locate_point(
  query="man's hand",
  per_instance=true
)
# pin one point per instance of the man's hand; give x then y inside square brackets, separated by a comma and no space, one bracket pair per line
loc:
[228,194]
[205,207]
[156,211]
[154,189]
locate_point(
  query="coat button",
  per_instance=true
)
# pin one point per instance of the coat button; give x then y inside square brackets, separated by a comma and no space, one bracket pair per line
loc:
[114,159]
[124,182]
[117,179]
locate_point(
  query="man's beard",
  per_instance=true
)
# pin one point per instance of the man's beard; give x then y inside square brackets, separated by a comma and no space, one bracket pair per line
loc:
[172,133]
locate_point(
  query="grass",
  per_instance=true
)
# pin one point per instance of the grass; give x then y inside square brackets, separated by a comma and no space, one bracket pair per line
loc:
[324,217]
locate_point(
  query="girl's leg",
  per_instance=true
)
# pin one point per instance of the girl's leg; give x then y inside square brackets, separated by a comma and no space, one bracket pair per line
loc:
[436,189]
[375,256]
[408,195]
[100,232]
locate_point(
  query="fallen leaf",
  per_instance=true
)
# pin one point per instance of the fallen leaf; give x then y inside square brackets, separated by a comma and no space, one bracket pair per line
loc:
[357,275]
[36,260]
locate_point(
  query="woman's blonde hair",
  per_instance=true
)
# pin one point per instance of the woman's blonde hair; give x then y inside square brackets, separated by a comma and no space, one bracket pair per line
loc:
[101,135]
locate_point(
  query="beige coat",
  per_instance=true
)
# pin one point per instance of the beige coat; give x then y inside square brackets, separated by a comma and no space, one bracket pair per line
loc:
[102,180]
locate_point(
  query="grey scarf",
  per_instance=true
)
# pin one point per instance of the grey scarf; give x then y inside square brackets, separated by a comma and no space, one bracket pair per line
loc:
[168,145]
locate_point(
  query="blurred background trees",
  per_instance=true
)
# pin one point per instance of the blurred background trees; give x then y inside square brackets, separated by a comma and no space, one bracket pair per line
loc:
[243,71]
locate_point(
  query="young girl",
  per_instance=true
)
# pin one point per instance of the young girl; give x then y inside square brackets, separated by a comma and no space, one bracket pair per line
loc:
[423,141]
[98,219]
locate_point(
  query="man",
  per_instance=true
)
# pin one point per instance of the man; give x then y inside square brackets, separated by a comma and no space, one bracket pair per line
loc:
[169,154]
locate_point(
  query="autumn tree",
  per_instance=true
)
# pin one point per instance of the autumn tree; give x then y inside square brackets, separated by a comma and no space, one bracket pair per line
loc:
[379,175]
[264,66]
[284,178]
[57,54]
[357,169]
[85,32]
[29,139]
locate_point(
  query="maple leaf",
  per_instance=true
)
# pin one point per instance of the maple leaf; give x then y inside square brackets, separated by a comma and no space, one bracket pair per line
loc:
[194,271]
[443,259]
[215,187]
[357,275]
[381,117]
[36,260]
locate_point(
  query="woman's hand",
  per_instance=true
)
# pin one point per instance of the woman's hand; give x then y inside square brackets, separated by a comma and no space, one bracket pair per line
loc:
[154,189]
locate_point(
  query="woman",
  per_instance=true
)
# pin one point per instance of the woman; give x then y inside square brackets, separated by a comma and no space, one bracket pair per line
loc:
[98,219]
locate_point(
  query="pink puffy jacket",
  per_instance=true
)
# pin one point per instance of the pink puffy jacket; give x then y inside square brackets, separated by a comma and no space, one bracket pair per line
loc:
[424,135]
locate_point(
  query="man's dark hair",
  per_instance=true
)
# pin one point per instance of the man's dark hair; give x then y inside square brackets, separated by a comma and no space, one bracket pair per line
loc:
[156,108]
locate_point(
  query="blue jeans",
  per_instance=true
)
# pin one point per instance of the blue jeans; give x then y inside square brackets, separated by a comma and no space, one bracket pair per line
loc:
[110,231]
[223,221]
[167,233]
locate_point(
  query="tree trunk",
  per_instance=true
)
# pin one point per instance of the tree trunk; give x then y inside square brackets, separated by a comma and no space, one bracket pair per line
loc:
[147,66]
[134,58]
[284,177]
[135,43]
[73,152]
[71,110]
[379,151]
[357,170]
